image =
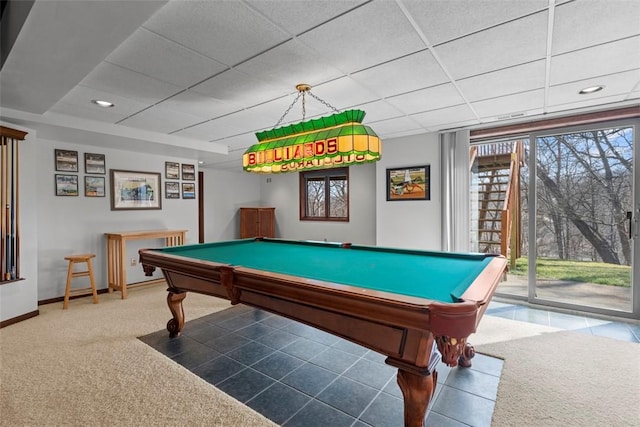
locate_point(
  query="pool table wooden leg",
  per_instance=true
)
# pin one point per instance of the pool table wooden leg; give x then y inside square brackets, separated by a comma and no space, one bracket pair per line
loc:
[174,300]
[417,390]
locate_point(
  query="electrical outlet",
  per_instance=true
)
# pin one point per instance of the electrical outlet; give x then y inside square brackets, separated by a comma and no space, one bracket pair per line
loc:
[134,262]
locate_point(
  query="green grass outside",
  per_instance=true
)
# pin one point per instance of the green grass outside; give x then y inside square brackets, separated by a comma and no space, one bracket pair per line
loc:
[578,271]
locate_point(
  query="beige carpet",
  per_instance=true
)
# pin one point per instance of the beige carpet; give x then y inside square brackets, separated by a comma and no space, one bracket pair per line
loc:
[85,366]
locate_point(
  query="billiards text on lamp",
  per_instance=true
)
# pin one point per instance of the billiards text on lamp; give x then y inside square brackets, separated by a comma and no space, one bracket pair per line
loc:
[333,141]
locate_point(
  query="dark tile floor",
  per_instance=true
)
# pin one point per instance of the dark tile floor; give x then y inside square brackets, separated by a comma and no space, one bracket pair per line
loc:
[296,375]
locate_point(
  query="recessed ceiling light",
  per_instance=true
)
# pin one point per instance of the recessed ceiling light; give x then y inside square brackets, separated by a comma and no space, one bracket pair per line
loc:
[591,89]
[105,104]
[200,162]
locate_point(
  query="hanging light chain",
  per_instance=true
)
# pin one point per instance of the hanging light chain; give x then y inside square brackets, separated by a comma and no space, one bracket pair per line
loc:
[326,104]
[302,90]
[288,109]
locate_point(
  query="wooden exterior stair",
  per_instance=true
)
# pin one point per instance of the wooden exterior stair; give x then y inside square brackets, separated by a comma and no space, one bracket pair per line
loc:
[498,190]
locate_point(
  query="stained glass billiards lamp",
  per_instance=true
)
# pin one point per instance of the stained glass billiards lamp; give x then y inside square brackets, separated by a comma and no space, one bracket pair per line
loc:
[332,141]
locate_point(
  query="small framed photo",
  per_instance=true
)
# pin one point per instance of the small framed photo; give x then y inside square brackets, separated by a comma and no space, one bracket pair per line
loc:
[66,185]
[171,190]
[188,190]
[66,160]
[172,171]
[94,186]
[94,163]
[409,183]
[188,172]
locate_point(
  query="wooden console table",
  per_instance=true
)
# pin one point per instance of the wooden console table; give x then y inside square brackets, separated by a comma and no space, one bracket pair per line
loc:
[116,254]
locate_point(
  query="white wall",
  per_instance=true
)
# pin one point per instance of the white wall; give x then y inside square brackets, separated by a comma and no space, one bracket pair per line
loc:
[224,194]
[411,223]
[21,297]
[282,192]
[70,224]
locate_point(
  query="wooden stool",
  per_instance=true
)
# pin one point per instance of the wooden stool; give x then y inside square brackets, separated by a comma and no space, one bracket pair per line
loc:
[73,259]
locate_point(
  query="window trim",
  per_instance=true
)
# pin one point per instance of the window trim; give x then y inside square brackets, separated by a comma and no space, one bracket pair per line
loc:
[302,198]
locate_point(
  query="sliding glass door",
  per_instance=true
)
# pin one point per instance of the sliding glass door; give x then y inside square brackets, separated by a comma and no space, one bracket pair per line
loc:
[564,208]
[583,234]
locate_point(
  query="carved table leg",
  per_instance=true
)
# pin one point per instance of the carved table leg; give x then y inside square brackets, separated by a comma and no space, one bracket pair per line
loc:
[174,300]
[417,391]
[467,354]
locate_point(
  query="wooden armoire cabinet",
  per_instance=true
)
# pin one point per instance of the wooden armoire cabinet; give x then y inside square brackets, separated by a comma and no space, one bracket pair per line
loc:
[257,222]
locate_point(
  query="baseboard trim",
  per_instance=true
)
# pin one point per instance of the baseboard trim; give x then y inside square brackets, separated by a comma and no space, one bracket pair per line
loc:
[60,299]
[19,318]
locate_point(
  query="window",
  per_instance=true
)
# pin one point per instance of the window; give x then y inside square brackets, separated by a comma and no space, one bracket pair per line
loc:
[324,195]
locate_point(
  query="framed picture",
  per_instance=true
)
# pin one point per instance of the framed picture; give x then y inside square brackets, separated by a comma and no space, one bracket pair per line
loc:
[409,183]
[188,172]
[171,190]
[172,171]
[94,186]
[66,185]
[188,190]
[135,190]
[94,163]
[66,160]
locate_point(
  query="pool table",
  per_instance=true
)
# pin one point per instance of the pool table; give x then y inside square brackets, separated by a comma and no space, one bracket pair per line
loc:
[402,303]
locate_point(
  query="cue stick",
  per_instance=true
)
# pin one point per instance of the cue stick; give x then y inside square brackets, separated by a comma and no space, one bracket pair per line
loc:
[12,201]
[8,197]
[17,146]
[3,206]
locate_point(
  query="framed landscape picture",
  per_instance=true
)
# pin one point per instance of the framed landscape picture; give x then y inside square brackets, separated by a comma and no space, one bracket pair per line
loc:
[66,185]
[66,160]
[188,190]
[408,183]
[171,190]
[172,170]
[94,163]
[94,186]
[135,190]
[188,172]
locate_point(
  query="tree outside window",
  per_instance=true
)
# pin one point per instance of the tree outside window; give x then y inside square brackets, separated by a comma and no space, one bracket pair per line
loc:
[324,195]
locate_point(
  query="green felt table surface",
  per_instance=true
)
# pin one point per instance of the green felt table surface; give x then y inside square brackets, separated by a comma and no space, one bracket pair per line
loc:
[440,276]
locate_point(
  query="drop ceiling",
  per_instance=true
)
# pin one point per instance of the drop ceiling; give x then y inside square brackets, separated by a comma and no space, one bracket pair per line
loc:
[199,78]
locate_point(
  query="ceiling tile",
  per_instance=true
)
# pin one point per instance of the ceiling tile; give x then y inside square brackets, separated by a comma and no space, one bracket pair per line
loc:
[219,128]
[616,84]
[80,97]
[510,104]
[129,84]
[370,35]
[227,31]
[415,71]
[442,21]
[155,56]
[600,60]
[510,44]
[393,126]
[295,17]
[239,89]
[589,102]
[161,120]
[449,117]
[195,104]
[520,78]
[98,113]
[342,93]
[379,110]
[289,64]
[578,24]
[431,98]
